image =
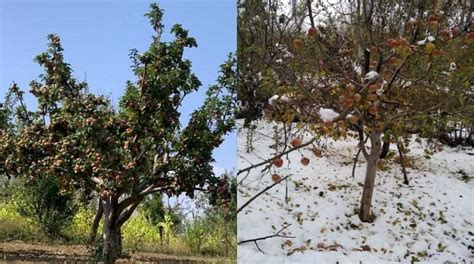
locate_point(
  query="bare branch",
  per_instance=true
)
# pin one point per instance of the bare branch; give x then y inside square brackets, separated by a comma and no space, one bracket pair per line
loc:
[260,193]
[356,158]
[277,234]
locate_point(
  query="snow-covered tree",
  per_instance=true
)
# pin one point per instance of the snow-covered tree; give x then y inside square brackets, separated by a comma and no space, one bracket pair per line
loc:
[382,69]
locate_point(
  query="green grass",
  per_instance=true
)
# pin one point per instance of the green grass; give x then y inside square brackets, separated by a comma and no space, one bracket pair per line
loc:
[201,237]
[13,226]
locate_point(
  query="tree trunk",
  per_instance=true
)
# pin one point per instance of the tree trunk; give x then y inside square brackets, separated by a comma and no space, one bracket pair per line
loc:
[372,161]
[402,163]
[112,237]
[96,222]
[115,215]
[385,149]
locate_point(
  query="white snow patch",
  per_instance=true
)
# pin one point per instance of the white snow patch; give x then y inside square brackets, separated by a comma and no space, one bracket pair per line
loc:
[279,98]
[421,42]
[431,219]
[327,114]
[371,76]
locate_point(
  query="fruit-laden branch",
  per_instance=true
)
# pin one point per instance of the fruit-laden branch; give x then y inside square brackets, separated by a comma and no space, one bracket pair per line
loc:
[273,158]
[268,161]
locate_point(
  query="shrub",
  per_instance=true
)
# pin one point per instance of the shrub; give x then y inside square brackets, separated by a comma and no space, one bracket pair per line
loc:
[139,232]
[79,229]
[13,226]
[211,235]
[43,202]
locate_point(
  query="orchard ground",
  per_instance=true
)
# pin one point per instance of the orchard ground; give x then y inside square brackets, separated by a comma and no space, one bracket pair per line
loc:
[430,220]
[15,251]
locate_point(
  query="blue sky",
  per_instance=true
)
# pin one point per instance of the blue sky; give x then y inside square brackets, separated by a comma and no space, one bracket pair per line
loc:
[98,35]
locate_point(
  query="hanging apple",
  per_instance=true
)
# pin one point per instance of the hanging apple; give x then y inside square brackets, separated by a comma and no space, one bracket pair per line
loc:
[298,43]
[372,110]
[392,60]
[312,32]
[296,142]
[470,36]
[305,161]
[456,31]
[357,97]
[276,177]
[317,152]
[278,162]
[353,119]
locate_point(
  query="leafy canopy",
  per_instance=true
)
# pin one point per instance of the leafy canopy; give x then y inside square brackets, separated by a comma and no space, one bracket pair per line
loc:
[137,149]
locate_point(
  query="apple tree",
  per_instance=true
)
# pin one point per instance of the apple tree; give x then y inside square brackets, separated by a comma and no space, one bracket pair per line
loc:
[127,154]
[383,69]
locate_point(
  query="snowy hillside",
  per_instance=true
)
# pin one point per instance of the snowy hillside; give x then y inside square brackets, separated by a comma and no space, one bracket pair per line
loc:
[430,221]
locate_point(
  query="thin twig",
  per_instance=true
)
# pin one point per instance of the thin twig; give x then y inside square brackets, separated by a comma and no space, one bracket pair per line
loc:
[277,234]
[356,158]
[260,193]
[402,163]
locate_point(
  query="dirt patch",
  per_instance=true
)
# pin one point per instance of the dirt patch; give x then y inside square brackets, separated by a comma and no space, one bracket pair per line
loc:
[21,252]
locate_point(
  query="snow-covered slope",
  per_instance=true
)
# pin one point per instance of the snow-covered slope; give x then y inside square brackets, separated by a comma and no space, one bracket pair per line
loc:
[431,220]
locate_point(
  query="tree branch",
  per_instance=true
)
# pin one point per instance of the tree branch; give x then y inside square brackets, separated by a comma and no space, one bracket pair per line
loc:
[356,158]
[260,193]
[397,71]
[274,157]
[277,234]
[362,142]
[96,221]
[308,3]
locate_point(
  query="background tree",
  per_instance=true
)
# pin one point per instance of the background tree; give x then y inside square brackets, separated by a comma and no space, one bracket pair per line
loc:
[43,201]
[126,155]
[262,39]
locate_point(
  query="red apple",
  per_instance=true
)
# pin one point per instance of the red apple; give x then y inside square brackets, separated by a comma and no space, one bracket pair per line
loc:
[456,31]
[433,24]
[392,60]
[296,142]
[431,18]
[312,32]
[470,36]
[444,34]
[372,110]
[353,119]
[357,97]
[317,152]
[298,43]
[278,162]
[305,161]
[276,177]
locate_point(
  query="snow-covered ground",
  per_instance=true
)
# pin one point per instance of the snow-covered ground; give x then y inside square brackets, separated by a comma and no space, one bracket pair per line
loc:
[431,220]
